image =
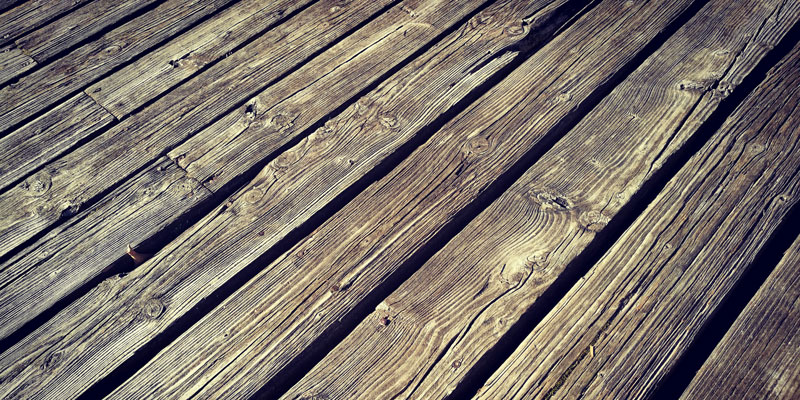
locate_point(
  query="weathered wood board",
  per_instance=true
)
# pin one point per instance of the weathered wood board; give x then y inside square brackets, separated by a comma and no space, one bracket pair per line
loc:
[13,63]
[100,164]
[759,357]
[158,71]
[619,330]
[458,305]
[30,15]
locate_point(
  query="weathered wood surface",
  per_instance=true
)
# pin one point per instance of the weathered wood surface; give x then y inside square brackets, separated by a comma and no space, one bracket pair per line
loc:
[620,329]
[69,30]
[242,344]
[30,15]
[160,70]
[459,304]
[759,357]
[75,253]
[13,63]
[49,136]
[108,159]
[211,247]
[47,86]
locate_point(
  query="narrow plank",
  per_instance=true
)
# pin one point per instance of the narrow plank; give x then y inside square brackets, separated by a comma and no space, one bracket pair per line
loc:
[758,357]
[31,15]
[621,328]
[460,303]
[71,255]
[43,88]
[13,63]
[49,136]
[69,30]
[106,160]
[160,70]
[299,299]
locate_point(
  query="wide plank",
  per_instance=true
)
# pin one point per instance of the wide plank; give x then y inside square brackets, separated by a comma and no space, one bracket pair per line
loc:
[622,327]
[290,308]
[759,357]
[72,28]
[32,14]
[13,63]
[456,308]
[103,162]
[96,239]
[158,71]
[49,136]
[45,87]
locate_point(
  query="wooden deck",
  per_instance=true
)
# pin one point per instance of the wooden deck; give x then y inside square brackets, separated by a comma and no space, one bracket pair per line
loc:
[339,199]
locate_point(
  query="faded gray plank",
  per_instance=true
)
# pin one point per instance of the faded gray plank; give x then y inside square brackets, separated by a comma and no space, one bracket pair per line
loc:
[13,63]
[160,70]
[759,357]
[75,253]
[460,303]
[46,138]
[104,161]
[622,327]
[31,15]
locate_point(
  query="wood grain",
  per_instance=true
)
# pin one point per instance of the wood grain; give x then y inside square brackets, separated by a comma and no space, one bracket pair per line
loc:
[72,72]
[32,14]
[641,305]
[70,181]
[459,304]
[759,358]
[160,70]
[69,30]
[13,63]
[246,341]
[94,240]
[49,136]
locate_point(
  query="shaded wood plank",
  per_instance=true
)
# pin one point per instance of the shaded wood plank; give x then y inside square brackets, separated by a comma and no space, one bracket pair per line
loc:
[31,15]
[72,28]
[621,328]
[94,241]
[160,70]
[759,357]
[294,303]
[108,159]
[47,86]
[447,316]
[49,136]
[13,63]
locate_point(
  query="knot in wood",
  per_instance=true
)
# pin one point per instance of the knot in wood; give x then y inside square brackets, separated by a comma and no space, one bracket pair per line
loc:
[477,145]
[38,184]
[113,49]
[549,200]
[516,30]
[388,120]
[52,360]
[253,196]
[291,156]
[283,120]
[153,308]
[593,221]
[537,262]
[694,85]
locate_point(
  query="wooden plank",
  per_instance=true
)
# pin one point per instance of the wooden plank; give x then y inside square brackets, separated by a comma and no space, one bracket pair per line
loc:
[49,136]
[246,341]
[47,86]
[459,304]
[478,276]
[77,252]
[31,15]
[13,63]
[71,29]
[106,160]
[759,358]
[160,70]
[621,328]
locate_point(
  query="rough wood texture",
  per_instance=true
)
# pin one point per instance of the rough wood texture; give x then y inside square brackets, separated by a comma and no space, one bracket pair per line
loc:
[47,86]
[759,357]
[76,252]
[160,70]
[101,163]
[13,63]
[465,298]
[31,15]
[620,329]
[69,30]
[250,337]
[49,136]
